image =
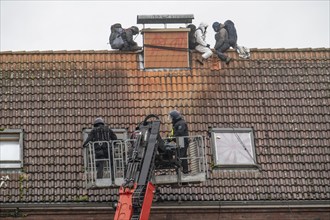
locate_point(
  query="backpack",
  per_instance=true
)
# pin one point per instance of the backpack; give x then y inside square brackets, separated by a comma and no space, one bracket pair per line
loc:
[191,36]
[116,37]
[232,34]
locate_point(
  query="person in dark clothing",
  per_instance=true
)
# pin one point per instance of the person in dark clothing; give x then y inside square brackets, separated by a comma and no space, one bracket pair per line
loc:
[180,129]
[243,52]
[122,39]
[129,43]
[222,41]
[101,132]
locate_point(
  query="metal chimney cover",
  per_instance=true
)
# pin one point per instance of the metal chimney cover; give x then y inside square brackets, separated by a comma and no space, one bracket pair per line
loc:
[163,19]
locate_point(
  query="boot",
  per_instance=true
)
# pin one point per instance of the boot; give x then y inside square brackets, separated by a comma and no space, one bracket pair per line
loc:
[200,60]
[228,59]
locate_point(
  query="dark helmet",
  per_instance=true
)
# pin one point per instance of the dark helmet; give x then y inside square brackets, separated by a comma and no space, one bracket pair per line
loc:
[216,26]
[175,115]
[98,121]
[135,30]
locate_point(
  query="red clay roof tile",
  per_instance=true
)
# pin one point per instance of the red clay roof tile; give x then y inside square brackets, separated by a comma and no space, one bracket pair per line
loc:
[281,93]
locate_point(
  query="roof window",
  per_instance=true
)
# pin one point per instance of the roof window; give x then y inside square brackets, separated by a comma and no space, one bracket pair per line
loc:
[233,148]
[11,149]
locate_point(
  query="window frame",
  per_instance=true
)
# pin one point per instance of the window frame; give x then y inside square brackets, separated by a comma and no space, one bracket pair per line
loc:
[215,149]
[19,162]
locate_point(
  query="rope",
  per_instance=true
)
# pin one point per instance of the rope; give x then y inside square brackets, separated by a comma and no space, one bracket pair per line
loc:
[166,47]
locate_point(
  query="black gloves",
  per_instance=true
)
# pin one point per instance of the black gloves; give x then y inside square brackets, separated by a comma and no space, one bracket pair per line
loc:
[208,45]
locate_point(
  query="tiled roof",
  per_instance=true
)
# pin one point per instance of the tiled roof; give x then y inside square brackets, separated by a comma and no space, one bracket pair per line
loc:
[282,93]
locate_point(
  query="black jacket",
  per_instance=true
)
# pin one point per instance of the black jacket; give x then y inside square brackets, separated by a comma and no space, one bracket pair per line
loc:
[101,133]
[180,129]
[129,43]
[221,38]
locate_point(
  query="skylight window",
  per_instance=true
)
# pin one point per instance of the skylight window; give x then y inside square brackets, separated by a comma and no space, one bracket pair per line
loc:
[233,147]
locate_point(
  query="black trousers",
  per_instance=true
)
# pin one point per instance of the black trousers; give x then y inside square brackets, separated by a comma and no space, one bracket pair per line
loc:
[100,165]
[184,162]
[99,169]
[220,51]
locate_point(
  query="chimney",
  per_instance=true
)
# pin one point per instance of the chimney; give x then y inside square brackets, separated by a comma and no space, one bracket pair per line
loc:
[165,47]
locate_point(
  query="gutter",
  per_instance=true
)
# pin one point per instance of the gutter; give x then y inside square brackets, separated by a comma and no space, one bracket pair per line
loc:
[245,204]
[177,205]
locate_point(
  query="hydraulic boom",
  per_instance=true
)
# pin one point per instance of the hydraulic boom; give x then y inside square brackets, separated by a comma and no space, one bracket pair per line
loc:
[136,194]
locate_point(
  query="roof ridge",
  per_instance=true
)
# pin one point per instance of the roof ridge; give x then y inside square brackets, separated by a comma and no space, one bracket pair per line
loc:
[117,51]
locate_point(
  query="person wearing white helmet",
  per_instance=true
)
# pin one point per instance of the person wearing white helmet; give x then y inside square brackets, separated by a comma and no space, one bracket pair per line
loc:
[202,47]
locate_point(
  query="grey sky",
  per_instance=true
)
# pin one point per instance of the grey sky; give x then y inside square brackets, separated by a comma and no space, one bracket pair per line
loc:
[85,25]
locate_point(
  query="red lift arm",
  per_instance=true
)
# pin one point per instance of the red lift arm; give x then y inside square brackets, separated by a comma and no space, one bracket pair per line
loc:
[136,194]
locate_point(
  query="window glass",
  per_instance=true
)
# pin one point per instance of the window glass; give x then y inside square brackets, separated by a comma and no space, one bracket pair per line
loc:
[11,148]
[233,146]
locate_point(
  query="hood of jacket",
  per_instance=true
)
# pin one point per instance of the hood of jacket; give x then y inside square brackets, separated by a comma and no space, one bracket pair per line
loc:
[135,30]
[218,26]
[203,26]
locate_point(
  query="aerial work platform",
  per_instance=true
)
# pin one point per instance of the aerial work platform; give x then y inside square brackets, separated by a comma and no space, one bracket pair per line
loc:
[114,167]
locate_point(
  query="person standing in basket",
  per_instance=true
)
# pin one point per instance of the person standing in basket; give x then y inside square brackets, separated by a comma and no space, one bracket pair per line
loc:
[101,132]
[180,129]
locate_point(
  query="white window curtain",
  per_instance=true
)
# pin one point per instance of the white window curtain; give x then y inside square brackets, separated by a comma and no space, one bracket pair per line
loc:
[11,148]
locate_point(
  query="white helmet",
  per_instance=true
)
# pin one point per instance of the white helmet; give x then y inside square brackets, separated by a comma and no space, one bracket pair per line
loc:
[203,24]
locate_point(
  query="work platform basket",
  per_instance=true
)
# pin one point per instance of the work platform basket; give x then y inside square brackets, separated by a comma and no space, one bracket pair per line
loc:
[109,171]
